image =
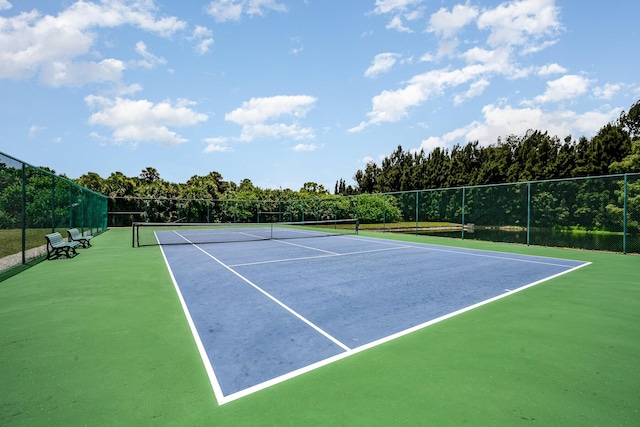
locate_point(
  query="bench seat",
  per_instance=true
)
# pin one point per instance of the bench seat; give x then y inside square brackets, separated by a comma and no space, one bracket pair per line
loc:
[58,248]
[76,236]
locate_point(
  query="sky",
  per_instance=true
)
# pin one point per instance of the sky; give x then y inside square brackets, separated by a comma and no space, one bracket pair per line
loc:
[285,92]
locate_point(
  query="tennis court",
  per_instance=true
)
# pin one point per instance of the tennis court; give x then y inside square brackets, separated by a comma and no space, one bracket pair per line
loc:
[102,339]
[268,308]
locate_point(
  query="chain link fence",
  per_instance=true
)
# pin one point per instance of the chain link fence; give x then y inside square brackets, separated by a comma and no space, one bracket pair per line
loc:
[35,202]
[595,213]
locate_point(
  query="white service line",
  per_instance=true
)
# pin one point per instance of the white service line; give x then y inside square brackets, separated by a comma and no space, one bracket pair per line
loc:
[306,247]
[272,298]
[330,255]
[473,252]
[213,379]
[277,301]
[222,399]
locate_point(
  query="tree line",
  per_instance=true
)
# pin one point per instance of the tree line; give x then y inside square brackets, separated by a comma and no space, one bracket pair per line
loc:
[535,156]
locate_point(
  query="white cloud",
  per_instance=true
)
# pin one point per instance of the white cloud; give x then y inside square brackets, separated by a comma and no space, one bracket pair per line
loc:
[225,10]
[121,89]
[202,36]
[232,10]
[256,117]
[526,25]
[399,10]
[430,144]
[394,6]
[475,89]
[607,91]
[204,46]
[447,24]
[564,88]
[392,106]
[305,147]
[275,130]
[31,43]
[382,63]
[534,48]
[397,24]
[34,130]
[549,69]
[141,120]
[60,73]
[201,32]
[502,121]
[217,145]
[5,5]
[366,160]
[427,57]
[496,61]
[520,22]
[149,60]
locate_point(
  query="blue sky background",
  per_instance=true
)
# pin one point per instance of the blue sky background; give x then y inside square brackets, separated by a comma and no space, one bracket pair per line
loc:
[285,92]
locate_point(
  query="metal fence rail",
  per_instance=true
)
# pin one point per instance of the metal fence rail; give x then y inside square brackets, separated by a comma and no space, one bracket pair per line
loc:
[34,202]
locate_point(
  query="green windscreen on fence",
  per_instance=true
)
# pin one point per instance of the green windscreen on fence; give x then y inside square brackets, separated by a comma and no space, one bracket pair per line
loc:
[35,202]
[596,213]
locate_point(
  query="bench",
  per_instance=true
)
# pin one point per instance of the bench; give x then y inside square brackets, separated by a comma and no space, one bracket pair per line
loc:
[76,236]
[58,248]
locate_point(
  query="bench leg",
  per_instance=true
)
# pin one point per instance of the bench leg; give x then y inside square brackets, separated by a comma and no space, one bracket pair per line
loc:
[54,253]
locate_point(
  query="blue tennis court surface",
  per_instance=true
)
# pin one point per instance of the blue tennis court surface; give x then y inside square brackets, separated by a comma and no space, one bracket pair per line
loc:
[264,311]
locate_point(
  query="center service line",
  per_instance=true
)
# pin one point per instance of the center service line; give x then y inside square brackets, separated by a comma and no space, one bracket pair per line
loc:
[274,299]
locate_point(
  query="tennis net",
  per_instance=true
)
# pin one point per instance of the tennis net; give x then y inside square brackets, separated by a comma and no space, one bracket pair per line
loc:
[152,234]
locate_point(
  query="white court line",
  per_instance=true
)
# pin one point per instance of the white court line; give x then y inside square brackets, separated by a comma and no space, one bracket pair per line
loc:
[331,255]
[271,297]
[213,379]
[471,252]
[340,356]
[222,399]
[306,247]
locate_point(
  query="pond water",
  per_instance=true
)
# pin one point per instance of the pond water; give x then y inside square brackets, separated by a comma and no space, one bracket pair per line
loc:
[547,237]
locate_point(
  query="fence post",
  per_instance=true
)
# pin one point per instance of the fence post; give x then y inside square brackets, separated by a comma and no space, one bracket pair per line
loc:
[70,206]
[417,225]
[528,213]
[24,214]
[624,218]
[53,204]
[82,218]
[357,206]
[463,203]
[384,212]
